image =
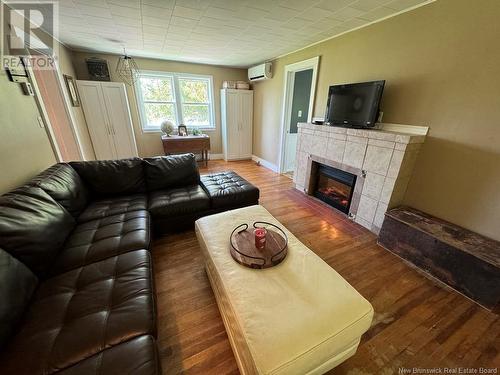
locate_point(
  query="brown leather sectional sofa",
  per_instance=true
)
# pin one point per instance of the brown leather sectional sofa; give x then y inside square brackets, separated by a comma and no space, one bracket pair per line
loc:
[76,277]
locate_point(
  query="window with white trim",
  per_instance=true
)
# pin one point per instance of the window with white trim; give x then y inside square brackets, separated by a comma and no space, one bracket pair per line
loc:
[181,98]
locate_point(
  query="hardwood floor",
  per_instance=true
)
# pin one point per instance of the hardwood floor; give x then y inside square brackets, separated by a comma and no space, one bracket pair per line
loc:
[417,323]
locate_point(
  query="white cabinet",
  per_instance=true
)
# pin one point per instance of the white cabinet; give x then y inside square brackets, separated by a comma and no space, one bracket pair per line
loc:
[107,112]
[237,123]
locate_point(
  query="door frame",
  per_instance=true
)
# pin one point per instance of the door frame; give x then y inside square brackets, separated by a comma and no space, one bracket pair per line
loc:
[288,84]
[67,107]
[43,112]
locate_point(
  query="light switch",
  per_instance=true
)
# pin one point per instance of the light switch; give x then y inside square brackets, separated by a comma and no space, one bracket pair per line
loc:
[40,122]
[300,113]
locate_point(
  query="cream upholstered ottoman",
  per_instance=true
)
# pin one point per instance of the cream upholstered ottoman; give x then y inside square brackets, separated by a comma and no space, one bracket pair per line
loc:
[299,317]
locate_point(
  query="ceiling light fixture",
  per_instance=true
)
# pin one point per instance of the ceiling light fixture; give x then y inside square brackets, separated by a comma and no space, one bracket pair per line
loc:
[127,68]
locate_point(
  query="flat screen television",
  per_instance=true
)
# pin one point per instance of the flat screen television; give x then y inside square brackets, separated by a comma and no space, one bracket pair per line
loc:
[354,105]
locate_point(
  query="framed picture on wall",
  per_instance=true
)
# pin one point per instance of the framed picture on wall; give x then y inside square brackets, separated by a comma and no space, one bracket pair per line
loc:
[73,93]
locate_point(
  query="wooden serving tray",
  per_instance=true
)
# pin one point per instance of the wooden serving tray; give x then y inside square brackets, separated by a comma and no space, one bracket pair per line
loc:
[252,257]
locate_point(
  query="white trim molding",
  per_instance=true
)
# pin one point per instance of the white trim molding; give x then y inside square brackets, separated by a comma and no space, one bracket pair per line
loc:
[289,78]
[174,78]
[400,128]
[215,156]
[265,163]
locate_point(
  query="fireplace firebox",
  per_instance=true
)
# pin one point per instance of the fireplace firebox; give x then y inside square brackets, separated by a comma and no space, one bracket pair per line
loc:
[334,187]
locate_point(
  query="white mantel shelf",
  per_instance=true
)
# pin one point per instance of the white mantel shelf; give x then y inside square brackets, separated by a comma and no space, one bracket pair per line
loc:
[387,132]
[382,158]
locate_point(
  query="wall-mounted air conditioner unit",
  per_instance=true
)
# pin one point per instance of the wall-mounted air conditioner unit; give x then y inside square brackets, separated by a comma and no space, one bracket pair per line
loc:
[260,72]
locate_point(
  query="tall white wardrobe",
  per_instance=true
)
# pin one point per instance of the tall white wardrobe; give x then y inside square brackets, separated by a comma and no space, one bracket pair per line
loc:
[237,123]
[107,112]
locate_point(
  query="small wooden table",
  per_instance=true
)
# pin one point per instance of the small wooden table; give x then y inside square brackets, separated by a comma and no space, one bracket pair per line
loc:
[176,144]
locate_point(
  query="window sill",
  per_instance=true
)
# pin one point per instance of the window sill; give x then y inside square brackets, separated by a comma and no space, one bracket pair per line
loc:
[153,130]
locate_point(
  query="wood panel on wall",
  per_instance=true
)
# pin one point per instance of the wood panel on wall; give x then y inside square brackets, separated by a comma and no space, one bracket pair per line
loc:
[442,69]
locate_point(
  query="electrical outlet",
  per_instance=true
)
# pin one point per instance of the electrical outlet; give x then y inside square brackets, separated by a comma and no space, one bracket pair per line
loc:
[40,122]
[299,114]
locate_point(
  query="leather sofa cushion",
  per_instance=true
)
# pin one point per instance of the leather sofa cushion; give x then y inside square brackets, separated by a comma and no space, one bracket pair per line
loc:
[17,284]
[165,172]
[99,239]
[111,177]
[80,313]
[33,227]
[138,356]
[113,206]
[229,190]
[65,186]
[178,202]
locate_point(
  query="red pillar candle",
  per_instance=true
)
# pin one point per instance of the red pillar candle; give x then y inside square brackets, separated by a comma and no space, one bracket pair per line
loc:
[260,237]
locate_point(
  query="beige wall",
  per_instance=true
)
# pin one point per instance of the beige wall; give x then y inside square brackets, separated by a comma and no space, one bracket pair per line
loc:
[25,149]
[149,144]
[24,146]
[442,67]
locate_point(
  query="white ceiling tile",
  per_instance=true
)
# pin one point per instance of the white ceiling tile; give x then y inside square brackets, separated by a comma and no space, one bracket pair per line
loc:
[225,32]
[299,5]
[94,3]
[67,11]
[296,23]
[262,4]
[179,29]
[183,22]
[282,14]
[126,3]
[153,21]
[367,5]
[267,23]
[402,4]
[117,10]
[101,23]
[377,13]
[314,14]
[346,13]
[334,5]
[72,20]
[153,44]
[127,21]
[154,37]
[174,43]
[160,3]
[251,14]
[219,13]
[195,4]
[187,12]
[173,36]
[94,11]
[147,29]
[233,5]
[129,30]
[75,30]
[354,23]
[153,11]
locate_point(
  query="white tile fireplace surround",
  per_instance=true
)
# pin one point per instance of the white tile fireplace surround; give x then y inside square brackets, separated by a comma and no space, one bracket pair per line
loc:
[382,160]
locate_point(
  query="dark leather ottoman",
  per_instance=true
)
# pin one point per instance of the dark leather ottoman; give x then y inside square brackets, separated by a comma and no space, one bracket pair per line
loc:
[229,190]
